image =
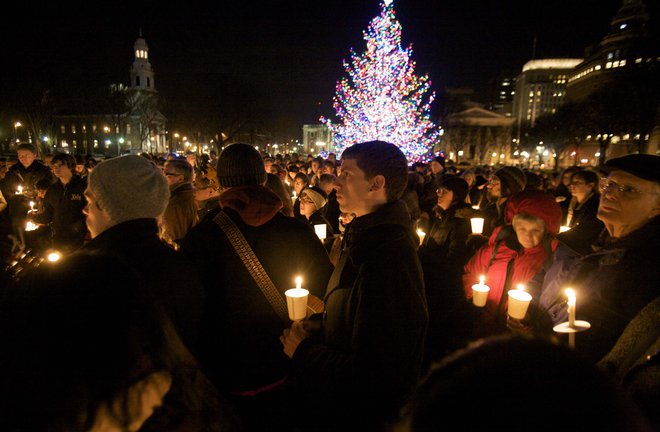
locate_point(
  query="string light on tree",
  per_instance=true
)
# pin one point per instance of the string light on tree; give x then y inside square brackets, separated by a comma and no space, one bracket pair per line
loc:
[382,98]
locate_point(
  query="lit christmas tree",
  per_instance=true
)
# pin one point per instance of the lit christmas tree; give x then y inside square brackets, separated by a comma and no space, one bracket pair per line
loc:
[382,98]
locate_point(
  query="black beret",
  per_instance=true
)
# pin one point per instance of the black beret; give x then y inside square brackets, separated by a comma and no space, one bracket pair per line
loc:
[644,166]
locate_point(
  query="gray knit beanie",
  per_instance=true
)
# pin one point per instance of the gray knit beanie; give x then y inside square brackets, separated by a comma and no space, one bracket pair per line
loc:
[512,180]
[129,187]
[316,194]
[240,165]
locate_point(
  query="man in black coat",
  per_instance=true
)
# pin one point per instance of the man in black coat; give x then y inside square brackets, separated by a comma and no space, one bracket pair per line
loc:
[240,351]
[619,276]
[125,197]
[359,367]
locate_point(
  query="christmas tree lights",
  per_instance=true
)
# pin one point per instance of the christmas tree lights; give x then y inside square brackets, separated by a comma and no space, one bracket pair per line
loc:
[382,98]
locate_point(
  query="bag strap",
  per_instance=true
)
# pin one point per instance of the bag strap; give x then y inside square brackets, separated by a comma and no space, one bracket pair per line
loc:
[253,265]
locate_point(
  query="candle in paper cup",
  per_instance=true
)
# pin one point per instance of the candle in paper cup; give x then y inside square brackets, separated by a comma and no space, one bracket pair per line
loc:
[321,231]
[571,307]
[19,190]
[477,225]
[518,302]
[31,226]
[480,292]
[296,301]
[475,207]
[564,228]
[31,205]
[421,235]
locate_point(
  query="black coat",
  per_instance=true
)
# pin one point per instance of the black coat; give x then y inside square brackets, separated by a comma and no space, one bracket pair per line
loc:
[443,254]
[612,285]
[240,347]
[63,206]
[168,275]
[374,327]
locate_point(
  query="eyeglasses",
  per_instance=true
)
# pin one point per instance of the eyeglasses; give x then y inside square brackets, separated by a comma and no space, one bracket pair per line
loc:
[625,192]
[306,201]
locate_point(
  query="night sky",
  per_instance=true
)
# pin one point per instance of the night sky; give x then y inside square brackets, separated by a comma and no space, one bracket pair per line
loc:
[288,53]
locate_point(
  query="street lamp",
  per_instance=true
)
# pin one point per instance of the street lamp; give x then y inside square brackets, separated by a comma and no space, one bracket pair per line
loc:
[16,126]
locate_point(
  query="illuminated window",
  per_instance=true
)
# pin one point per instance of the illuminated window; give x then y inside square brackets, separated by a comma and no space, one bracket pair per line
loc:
[615,64]
[608,65]
[622,63]
[93,128]
[638,60]
[610,55]
[62,129]
[96,143]
[84,128]
[73,129]
[128,129]
[622,26]
[597,67]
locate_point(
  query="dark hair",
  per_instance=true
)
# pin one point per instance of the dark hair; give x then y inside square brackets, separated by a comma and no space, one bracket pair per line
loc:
[302,176]
[274,183]
[76,335]
[26,146]
[181,167]
[381,158]
[327,178]
[588,177]
[514,383]
[65,159]
[43,184]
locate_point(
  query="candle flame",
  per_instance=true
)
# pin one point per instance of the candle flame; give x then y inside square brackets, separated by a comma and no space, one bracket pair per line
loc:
[420,232]
[54,256]
[570,293]
[298,282]
[521,287]
[482,278]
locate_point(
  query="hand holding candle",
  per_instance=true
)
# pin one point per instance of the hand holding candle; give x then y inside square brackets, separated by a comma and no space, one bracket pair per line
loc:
[296,301]
[519,300]
[321,231]
[480,292]
[477,225]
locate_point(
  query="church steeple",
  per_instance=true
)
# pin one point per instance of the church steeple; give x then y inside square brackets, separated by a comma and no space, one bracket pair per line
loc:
[142,74]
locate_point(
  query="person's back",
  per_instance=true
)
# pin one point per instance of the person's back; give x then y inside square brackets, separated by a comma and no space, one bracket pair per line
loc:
[521,384]
[88,350]
[127,227]
[240,350]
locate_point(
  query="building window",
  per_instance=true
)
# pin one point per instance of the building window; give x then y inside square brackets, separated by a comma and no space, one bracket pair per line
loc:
[73,129]
[94,128]
[62,129]
[84,128]
[137,81]
[96,143]
[148,82]
[128,129]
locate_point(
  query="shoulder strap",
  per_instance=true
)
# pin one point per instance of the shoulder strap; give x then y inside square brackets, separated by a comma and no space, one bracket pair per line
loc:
[254,267]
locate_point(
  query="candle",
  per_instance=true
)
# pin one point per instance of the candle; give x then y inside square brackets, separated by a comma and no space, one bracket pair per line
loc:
[296,301]
[421,235]
[321,231]
[564,228]
[519,300]
[477,225]
[19,190]
[31,205]
[480,292]
[54,256]
[293,197]
[571,306]
[475,207]
[30,226]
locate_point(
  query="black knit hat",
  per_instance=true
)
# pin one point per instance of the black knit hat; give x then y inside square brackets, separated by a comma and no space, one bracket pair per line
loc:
[240,165]
[644,166]
[512,180]
[457,185]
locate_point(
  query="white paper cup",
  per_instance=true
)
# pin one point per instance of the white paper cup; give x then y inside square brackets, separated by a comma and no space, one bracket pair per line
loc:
[480,294]
[564,228]
[321,231]
[296,303]
[518,303]
[477,225]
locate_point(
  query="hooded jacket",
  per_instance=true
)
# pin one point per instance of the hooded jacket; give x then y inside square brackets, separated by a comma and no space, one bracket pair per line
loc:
[240,347]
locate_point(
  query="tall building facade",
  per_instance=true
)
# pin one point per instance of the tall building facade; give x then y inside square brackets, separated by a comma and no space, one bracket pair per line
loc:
[541,89]
[626,52]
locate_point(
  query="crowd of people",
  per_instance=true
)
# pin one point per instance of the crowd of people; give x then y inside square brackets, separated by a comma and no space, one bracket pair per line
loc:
[166,310]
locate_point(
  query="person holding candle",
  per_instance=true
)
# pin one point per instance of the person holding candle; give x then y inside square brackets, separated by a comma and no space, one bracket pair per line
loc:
[357,368]
[618,274]
[239,348]
[503,184]
[443,254]
[516,253]
[24,174]
[312,201]
[63,206]
[582,209]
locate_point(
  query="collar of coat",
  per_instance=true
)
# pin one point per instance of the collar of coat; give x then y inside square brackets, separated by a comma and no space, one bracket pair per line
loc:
[256,205]
[392,219]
